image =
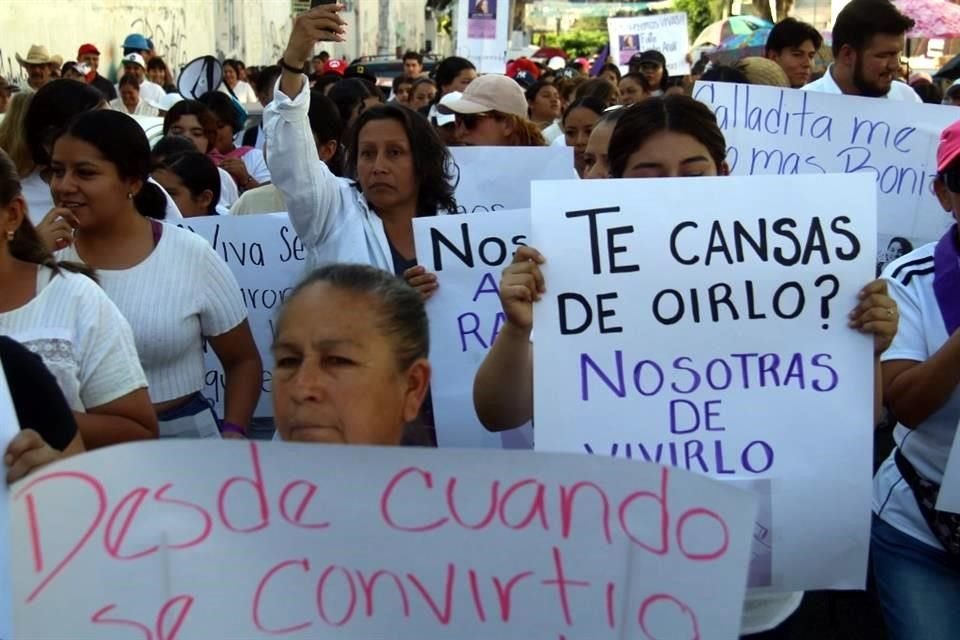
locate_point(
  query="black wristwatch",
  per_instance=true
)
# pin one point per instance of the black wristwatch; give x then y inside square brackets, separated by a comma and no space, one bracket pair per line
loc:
[283,65]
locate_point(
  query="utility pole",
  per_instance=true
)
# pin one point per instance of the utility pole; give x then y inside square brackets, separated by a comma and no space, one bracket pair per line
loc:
[383,32]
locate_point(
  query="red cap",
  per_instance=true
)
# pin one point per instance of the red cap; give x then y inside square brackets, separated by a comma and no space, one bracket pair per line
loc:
[949,149]
[336,66]
[87,48]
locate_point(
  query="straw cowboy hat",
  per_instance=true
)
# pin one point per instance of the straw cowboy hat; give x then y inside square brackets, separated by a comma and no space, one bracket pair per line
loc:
[37,54]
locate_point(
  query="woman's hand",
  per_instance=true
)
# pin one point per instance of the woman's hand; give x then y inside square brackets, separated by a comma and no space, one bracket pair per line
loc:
[26,453]
[321,24]
[238,171]
[876,313]
[232,435]
[56,228]
[521,285]
[420,279]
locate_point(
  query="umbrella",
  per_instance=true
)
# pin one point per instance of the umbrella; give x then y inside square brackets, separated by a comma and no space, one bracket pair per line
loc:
[732,26]
[550,52]
[756,38]
[933,18]
[949,71]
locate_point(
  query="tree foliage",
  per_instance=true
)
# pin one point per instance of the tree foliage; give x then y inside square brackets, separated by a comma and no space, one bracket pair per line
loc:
[700,14]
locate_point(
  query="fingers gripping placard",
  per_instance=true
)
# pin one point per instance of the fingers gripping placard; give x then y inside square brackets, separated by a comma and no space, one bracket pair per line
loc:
[702,323]
[186,540]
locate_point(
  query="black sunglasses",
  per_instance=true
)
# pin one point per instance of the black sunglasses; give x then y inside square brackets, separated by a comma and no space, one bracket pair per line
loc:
[470,120]
[951,177]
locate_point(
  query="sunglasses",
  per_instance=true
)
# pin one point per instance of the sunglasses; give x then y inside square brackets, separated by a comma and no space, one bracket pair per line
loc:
[951,177]
[470,120]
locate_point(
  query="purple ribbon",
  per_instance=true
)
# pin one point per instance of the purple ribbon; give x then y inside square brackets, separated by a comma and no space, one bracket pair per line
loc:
[946,279]
[600,61]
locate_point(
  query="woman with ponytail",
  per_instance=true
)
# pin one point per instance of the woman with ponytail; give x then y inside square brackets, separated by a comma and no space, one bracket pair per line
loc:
[56,310]
[170,285]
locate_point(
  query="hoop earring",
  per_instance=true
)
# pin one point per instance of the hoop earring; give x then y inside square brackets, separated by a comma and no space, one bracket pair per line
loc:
[129,195]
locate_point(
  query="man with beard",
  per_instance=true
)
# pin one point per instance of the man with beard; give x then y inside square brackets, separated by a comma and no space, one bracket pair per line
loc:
[867,42]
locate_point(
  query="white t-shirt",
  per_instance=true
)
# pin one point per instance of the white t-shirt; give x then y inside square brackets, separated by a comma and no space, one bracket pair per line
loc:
[920,334]
[229,194]
[898,90]
[179,294]
[243,91]
[256,165]
[265,199]
[143,109]
[553,133]
[81,336]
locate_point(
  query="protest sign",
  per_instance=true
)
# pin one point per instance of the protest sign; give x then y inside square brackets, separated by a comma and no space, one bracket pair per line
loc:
[665,32]
[770,130]
[266,257]
[497,178]
[949,497]
[467,254]
[482,30]
[247,540]
[688,322]
[9,427]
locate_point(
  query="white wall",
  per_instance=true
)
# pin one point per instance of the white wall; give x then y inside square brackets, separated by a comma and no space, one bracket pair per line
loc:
[255,31]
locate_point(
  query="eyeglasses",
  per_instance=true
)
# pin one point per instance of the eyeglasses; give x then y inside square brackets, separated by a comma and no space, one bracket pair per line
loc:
[470,120]
[951,177]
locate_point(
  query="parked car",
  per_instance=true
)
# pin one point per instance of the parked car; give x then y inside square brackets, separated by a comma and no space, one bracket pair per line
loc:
[384,69]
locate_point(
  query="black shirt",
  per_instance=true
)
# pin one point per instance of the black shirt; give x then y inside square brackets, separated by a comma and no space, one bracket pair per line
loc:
[37,398]
[105,87]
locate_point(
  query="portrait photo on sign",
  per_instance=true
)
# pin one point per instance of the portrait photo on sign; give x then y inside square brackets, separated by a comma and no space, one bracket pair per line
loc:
[483,8]
[628,47]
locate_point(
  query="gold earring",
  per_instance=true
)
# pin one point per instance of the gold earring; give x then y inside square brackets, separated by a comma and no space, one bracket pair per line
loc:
[129,195]
[10,235]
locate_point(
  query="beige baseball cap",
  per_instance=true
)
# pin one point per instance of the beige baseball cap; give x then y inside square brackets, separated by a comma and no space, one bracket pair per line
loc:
[490,93]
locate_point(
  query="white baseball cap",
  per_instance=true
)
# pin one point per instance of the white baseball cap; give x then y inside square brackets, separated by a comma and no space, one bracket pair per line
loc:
[134,58]
[491,92]
[445,117]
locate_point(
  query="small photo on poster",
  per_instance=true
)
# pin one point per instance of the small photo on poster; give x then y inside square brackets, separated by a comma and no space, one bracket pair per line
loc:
[629,46]
[482,19]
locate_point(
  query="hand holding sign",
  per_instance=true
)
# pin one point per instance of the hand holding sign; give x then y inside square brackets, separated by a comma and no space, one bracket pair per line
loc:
[876,313]
[424,282]
[522,284]
[27,452]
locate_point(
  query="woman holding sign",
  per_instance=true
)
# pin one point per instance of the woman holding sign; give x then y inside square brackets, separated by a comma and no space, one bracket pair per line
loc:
[667,137]
[400,164]
[915,545]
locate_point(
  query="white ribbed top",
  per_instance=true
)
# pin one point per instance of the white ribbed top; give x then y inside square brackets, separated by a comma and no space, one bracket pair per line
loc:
[81,336]
[181,293]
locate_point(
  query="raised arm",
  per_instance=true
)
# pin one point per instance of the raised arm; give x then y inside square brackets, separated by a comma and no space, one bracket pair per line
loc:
[310,190]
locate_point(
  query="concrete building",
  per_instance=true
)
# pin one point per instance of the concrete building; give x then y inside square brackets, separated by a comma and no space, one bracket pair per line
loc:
[255,31]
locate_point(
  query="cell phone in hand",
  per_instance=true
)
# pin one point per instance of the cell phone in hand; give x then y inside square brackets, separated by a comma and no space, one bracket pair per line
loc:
[317,3]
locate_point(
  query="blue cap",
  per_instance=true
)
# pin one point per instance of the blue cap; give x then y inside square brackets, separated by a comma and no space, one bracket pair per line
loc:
[136,42]
[150,44]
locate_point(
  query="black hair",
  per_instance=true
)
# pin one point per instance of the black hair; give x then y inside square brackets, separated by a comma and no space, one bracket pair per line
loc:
[928,92]
[402,79]
[449,68]
[677,113]
[266,78]
[26,244]
[432,162]
[347,94]
[412,55]
[129,80]
[326,80]
[204,116]
[53,106]
[236,65]
[224,108]
[534,89]
[791,33]
[953,91]
[326,125]
[608,93]
[590,102]
[639,78]
[121,141]
[198,174]
[859,21]
[156,63]
[401,313]
[723,73]
[171,145]
[609,66]
[610,117]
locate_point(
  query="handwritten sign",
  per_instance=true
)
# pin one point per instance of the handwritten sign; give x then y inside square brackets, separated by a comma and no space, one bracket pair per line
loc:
[266,257]
[786,132]
[498,178]
[714,338]
[467,253]
[9,427]
[666,33]
[949,497]
[174,540]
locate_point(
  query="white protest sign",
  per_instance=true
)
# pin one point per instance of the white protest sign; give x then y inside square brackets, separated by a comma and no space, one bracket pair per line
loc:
[482,31]
[467,253]
[689,323]
[247,540]
[665,32]
[266,257]
[9,427]
[785,131]
[497,178]
[949,496]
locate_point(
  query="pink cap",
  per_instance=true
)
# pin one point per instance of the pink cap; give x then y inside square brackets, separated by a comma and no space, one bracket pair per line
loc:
[949,149]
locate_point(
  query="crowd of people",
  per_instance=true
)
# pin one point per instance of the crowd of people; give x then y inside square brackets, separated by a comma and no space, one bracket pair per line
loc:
[107,304]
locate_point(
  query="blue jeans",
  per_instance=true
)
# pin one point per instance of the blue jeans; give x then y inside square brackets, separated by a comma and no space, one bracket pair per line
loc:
[918,586]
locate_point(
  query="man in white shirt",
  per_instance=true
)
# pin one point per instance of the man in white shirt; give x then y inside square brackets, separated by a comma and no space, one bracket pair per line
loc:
[134,65]
[867,43]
